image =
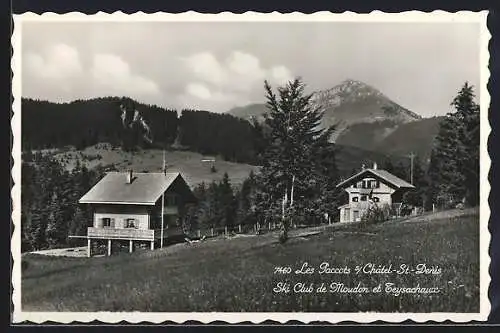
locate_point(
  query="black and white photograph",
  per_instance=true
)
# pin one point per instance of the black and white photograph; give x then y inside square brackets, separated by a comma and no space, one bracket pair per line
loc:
[250,167]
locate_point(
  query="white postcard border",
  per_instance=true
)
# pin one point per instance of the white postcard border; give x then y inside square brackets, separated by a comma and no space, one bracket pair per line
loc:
[208,317]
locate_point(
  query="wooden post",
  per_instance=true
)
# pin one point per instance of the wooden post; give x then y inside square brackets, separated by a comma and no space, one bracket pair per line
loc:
[433,208]
[109,247]
[239,228]
[269,226]
[212,231]
[89,248]
[131,246]
[162,211]
[152,245]
[199,233]
[225,230]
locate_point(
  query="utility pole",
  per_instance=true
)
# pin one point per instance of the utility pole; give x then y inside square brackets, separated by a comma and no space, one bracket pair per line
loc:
[412,156]
[163,203]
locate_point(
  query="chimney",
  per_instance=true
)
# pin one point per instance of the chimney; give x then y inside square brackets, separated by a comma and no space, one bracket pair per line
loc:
[363,166]
[374,165]
[129,177]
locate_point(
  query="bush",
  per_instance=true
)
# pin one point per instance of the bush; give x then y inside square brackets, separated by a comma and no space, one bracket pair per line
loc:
[376,214]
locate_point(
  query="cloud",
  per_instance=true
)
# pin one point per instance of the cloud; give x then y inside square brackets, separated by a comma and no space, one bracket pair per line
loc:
[60,61]
[113,75]
[206,67]
[228,82]
[281,75]
[198,90]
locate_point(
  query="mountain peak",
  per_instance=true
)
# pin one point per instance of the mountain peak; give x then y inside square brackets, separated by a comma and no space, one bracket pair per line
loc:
[348,89]
[349,102]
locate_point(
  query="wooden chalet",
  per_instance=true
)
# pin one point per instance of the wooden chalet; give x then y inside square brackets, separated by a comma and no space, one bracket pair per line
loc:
[371,187]
[137,207]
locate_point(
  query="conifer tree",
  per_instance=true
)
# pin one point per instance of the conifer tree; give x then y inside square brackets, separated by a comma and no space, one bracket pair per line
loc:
[227,208]
[289,175]
[454,167]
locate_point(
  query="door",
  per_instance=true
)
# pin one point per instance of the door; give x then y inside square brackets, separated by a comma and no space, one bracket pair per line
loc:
[347,215]
[356,215]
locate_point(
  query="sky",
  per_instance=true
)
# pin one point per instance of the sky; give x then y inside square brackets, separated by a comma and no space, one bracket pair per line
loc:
[219,65]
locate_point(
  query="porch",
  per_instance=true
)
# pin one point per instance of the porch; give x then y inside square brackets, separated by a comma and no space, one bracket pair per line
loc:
[354,211]
[133,234]
[130,234]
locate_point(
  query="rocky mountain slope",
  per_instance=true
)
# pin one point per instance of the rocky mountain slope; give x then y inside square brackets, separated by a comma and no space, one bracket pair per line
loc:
[364,118]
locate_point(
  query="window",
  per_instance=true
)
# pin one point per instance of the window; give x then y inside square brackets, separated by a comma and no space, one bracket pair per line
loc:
[359,185]
[363,198]
[106,222]
[356,215]
[376,199]
[355,199]
[131,223]
[171,200]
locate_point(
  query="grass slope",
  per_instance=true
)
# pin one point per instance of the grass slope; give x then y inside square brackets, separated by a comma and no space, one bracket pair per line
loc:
[188,163]
[238,274]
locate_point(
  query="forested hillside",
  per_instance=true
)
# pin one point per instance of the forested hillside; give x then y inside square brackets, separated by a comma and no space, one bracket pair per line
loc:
[86,123]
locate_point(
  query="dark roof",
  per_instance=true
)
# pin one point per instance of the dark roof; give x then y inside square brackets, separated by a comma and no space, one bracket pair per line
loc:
[382,174]
[145,189]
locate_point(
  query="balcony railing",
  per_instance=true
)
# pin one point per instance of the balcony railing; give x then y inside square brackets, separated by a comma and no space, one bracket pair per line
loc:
[127,234]
[360,205]
[134,234]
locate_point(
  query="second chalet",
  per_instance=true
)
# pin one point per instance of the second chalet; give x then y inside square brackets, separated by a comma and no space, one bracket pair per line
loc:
[371,187]
[137,207]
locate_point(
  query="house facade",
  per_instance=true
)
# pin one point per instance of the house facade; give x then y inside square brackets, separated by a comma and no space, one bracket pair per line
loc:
[371,187]
[137,207]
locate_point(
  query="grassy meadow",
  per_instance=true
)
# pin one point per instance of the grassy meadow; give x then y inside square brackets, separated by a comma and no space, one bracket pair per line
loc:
[239,274]
[189,163]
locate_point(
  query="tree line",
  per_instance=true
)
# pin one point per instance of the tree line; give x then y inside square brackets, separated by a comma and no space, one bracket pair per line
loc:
[49,201]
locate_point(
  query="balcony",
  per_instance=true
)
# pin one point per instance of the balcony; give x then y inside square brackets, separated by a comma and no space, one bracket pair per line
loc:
[133,234]
[126,234]
[359,205]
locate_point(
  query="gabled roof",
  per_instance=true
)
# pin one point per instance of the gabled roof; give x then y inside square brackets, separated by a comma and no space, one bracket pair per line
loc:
[145,189]
[378,173]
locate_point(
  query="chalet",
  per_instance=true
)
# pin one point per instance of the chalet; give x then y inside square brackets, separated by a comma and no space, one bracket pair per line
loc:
[137,207]
[371,187]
